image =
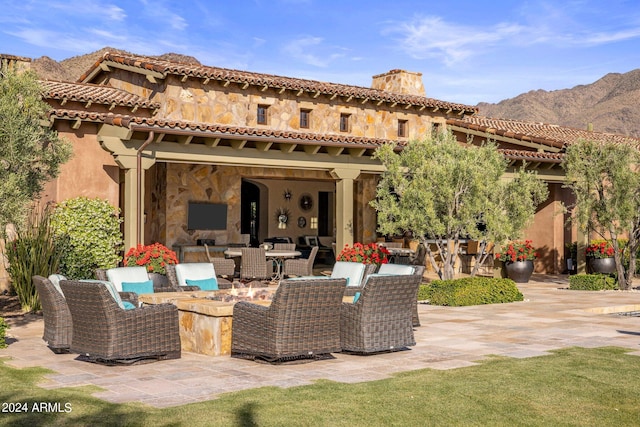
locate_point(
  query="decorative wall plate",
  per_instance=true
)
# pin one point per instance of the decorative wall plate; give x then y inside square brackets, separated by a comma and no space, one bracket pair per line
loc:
[302,222]
[306,202]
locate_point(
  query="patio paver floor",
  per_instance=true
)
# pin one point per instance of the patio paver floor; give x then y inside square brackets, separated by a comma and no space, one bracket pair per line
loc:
[551,317]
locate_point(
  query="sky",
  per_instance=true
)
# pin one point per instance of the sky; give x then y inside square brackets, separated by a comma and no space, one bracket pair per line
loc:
[467,51]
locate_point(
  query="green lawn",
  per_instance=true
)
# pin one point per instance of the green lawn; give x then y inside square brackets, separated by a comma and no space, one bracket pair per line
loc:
[576,386]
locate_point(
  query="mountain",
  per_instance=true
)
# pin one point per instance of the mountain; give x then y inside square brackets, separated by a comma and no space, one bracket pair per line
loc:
[610,104]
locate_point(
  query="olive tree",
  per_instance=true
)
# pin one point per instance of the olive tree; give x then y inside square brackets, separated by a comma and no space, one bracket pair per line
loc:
[437,188]
[605,178]
[30,153]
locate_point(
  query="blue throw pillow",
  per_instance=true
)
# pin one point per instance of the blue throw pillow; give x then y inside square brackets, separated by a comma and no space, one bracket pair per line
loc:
[204,284]
[356,296]
[138,287]
[128,305]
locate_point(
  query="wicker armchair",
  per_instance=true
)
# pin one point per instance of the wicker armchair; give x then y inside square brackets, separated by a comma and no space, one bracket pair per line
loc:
[301,266]
[104,332]
[381,318]
[303,321]
[132,297]
[195,271]
[356,286]
[57,318]
[401,269]
[255,265]
[174,283]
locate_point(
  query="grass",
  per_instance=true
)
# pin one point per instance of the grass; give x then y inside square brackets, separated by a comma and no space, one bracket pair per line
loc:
[571,387]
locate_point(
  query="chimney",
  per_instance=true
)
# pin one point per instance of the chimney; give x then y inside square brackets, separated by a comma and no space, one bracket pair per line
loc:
[400,81]
[15,63]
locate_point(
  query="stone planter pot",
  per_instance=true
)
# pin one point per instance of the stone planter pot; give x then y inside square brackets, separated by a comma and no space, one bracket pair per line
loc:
[602,265]
[519,271]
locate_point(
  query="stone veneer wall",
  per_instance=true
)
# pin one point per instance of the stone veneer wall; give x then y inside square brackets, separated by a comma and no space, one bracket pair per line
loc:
[213,103]
[400,81]
[177,184]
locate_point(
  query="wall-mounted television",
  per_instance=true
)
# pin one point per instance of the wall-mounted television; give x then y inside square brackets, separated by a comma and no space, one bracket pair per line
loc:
[207,216]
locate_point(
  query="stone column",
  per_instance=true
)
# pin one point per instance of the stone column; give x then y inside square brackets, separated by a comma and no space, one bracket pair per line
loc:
[344,205]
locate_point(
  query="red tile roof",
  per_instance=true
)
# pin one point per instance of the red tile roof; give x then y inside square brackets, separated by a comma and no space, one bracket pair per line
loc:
[165,67]
[85,92]
[542,133]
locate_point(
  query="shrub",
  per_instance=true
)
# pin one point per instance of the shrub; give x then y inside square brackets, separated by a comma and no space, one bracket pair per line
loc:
[33,251]
[424,292]
[90,236]
[473,291]
[3,328]
[592,282]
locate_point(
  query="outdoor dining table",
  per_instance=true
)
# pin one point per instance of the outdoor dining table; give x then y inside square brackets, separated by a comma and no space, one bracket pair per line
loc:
[401,255]
[276,255]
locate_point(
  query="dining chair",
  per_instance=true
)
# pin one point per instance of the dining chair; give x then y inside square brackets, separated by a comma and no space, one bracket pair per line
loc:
[225,267]
[284,246]
[254,264]
[301,266]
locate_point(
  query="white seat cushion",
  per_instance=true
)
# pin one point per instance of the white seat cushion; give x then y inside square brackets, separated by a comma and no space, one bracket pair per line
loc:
[194,271]
[396,269]
[55,281]
[352,271]
[126,274]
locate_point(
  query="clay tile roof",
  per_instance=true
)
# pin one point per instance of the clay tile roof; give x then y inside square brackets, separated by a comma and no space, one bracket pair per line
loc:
[532,156]
[542,133]
[165,67]
[84,92]
[167,125]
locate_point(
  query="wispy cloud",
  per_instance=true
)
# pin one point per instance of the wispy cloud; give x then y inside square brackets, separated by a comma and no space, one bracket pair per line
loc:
[311,51]
[432,37]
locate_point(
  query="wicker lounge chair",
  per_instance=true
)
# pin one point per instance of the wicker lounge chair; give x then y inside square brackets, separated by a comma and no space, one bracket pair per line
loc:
[303,321]
[194,271]
[381,318]
[104,332]
[132,297]
[355,282]
[401,269]
[174,283]
[300,266]
[57,318]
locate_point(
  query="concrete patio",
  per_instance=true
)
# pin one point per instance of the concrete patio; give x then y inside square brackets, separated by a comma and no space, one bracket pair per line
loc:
[551,317]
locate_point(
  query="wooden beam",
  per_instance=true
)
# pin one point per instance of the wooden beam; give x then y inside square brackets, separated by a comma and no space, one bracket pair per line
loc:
[159,137]
[245,86]
[134,109]
[264,88]
[379,103]
[88,104]
[364,101]
[281,91]
[238,144]
[64,101]
[226,83]
[300,92]
[184,78]
[287,148]
[184,139]
[435,109]
[393,104]
[422,108]
[112,106]
[335,151]
[104,67]
[349,98]
[334,96]
[212,142]
[317,94]
[357,152]
[408,106]
[206,81]
[76,123]
[311,149]
[151,78]
[263,145]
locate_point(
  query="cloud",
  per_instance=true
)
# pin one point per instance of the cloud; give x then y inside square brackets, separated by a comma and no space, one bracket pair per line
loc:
[301,49]
[432,37]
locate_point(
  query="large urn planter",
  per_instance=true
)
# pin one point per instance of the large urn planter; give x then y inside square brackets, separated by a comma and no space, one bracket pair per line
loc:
[159,280]
[519,271]
[602,265]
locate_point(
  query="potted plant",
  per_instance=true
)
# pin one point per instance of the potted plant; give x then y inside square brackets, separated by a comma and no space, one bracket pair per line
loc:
[154,258]
[600,256]
[518,258]
[367,254]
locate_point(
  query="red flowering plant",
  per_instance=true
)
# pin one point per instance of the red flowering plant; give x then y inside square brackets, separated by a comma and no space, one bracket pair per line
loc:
[518,250]
[367,254]
[154,257]
[599,249]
